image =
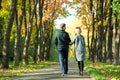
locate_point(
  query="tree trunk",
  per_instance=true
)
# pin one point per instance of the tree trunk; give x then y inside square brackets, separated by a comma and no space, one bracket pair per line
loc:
[35,47]
[88,41]
[40,42]
[104,44]
[25,24]
[0,4]
[92,41]
[17,52]
[117,43]
[88,38]
[36,39]
[17,41]
[50,35]
[24,15]
[46,39]
[110,35]
[1,35]
[100,32]
[5,59]
[28,36]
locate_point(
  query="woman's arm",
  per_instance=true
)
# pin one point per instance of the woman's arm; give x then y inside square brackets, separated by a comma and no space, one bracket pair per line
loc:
[73,40]
[84,45]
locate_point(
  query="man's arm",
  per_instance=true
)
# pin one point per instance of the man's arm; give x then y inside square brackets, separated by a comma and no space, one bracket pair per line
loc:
[68,38]
[56,41]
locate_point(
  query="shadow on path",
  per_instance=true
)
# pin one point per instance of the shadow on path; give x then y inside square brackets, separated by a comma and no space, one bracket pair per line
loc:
[53,73]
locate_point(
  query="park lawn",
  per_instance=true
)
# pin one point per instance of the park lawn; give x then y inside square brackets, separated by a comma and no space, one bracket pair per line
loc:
[103,71]
[5,74]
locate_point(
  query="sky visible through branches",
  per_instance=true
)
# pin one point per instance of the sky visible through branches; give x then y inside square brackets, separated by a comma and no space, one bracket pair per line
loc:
[68,20]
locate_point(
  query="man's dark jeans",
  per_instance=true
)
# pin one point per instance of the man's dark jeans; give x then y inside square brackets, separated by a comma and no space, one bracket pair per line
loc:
[63,58]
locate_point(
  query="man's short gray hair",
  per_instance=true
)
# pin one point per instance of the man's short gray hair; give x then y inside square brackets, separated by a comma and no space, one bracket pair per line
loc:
[62,25]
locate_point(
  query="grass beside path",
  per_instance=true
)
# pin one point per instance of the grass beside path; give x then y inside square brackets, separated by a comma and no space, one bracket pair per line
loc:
[5,74]
[100,71]
[103,71]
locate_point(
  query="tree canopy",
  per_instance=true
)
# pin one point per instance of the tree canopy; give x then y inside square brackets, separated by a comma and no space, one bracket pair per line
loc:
[27,29]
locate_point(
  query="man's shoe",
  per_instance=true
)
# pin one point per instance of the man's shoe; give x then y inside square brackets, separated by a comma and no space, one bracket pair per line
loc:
[64,75]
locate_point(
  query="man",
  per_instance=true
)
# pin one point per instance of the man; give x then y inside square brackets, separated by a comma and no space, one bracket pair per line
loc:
[62,40]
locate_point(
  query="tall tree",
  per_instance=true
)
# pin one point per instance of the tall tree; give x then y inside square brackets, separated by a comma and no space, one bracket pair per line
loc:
[5,59]
[40,40]
[17,51]
[100,31]
[36,37]
[110,34]
[117,42]
[28,36]
[116,8]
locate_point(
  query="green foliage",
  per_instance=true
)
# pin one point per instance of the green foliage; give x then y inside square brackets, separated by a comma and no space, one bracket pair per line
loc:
[63,13]
[103,71]
[12,42]
[53,53]
[4,14]
[116,8]
[3,19]
[111,70]
[97,75]
[53,50]
[1,22]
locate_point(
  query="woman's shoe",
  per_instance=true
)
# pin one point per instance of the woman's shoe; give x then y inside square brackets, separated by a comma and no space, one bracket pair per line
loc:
[81,73]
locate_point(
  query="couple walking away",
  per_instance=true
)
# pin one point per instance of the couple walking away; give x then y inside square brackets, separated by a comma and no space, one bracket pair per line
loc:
[62,41]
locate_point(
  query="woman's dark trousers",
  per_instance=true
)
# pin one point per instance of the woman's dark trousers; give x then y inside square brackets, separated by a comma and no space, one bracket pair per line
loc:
[81,67]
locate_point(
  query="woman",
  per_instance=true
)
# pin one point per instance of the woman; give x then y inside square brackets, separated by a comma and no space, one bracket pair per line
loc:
[80,49]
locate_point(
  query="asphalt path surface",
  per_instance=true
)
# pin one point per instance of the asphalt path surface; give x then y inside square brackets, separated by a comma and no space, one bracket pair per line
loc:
[53,72]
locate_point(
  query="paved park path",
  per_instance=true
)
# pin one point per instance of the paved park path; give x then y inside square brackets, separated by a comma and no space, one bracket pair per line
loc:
[53,73]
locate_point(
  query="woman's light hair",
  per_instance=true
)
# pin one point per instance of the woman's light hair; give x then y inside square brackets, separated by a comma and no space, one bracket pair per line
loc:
[77,30]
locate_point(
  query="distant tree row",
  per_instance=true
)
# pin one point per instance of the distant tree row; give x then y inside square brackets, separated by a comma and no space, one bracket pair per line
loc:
[26,29]
[102,19]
